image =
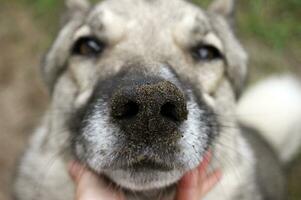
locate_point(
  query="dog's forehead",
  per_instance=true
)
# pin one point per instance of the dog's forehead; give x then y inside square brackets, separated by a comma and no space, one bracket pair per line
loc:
[149,16]
[148,9]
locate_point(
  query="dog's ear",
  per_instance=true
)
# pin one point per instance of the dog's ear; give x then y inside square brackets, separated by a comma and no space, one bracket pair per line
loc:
[225,8]
[55,60]
[75,8]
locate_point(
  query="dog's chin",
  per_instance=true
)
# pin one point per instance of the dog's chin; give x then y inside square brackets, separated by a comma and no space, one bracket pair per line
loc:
[144,179]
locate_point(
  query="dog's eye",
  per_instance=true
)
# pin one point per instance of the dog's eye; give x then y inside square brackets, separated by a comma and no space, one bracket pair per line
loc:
[88,46]
[206,53]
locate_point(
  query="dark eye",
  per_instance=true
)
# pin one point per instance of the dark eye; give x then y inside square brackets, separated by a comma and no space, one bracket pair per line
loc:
[88,46]
[206,53]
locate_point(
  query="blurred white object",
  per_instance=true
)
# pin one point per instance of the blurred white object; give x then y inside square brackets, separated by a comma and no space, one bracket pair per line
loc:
[273,107]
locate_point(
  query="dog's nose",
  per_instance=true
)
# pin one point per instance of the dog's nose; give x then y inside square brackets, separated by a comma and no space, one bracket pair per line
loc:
[149,106]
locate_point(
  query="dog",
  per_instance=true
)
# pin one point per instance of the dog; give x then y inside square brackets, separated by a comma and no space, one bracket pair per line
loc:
[140,91]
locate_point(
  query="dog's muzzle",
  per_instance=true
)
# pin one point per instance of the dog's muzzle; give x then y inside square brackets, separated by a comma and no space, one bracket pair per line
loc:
[143,131]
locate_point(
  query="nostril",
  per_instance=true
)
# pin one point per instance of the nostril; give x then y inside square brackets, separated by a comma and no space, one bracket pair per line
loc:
[127,111]
[169,110]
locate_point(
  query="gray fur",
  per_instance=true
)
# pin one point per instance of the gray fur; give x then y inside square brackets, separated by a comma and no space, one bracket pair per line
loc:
[154,34]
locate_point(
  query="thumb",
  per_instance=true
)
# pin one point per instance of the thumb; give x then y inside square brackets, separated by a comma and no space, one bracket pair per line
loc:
[89,185]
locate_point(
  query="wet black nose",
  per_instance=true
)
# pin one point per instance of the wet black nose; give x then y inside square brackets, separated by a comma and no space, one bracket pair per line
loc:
[158,106]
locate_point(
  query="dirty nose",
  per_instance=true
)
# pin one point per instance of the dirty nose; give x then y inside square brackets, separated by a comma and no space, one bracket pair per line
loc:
[152,106]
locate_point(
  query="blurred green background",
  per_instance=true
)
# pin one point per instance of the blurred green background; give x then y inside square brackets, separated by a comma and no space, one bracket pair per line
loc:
[269,29]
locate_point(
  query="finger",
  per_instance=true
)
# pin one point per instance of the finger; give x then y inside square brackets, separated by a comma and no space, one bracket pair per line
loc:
[191,185]
[90,186]
[210,182]
[194,187]
[75,171]
[204,165]
[206,160]
[188,186]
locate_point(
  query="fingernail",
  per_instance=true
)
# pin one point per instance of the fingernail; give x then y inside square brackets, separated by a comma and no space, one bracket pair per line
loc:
[208,155]
[218,174]
[74,167]
[205,162]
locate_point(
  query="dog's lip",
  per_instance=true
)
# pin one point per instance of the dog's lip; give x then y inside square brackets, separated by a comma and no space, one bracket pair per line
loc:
[146,165]
[150,165]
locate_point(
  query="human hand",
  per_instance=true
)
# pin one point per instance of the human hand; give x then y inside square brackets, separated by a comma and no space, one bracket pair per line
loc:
[89,186]
[197,183]
[193,186]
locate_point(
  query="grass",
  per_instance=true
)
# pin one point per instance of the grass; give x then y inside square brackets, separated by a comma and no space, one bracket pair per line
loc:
[274,22]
